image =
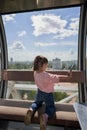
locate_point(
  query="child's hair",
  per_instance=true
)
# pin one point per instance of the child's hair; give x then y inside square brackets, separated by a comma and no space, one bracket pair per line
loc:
[39,61]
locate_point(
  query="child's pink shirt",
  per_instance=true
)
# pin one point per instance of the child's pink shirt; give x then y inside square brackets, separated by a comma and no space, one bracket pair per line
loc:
[45,81]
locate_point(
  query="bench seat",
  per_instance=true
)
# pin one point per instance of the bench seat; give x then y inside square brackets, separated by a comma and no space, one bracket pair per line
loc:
[14,110]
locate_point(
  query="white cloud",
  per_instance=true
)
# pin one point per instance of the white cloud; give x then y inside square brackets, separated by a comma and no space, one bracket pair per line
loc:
[66,43]
[70,31]
[47,23]
[22,33]
[9,17]
[44,44]
[53,24]
[74,23]
[17,45]
[17,51]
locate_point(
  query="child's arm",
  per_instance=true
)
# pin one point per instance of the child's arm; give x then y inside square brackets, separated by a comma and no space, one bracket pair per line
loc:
[63,78]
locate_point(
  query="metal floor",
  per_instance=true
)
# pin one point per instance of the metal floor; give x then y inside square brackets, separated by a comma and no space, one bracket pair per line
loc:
[4,125]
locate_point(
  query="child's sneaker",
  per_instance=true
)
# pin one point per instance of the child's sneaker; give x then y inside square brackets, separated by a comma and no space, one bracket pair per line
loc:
[43,122]
[28,116]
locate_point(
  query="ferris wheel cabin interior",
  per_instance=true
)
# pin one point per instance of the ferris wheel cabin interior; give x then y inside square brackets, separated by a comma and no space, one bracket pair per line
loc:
[56,29]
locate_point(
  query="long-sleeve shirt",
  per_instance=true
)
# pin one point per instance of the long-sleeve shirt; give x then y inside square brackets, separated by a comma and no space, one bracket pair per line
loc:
[45,81]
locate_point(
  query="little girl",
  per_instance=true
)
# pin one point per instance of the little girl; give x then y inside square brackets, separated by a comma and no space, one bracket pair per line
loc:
[45,83]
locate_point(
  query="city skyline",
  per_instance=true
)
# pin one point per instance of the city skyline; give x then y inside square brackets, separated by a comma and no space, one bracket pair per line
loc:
[12,60]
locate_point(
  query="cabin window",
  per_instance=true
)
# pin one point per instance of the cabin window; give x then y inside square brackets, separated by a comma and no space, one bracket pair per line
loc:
[52,33]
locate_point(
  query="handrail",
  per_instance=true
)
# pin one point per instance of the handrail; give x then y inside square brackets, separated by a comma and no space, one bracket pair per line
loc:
[27,75]
[57,88]
[69,98]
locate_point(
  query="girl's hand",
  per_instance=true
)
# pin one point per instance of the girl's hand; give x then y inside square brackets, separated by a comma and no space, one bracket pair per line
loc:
[70,73]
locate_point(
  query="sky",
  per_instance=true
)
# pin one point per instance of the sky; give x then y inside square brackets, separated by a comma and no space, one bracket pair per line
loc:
[52,33]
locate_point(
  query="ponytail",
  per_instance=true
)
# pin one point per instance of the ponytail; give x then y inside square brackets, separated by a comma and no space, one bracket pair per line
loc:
[39,61]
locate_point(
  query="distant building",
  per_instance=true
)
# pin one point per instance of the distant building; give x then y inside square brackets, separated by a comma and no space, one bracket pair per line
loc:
[11,60]
[56,64]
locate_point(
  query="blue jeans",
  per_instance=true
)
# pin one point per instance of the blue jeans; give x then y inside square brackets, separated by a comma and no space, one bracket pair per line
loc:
[48,99]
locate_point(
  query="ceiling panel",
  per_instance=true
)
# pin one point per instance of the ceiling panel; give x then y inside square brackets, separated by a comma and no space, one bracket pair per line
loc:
[13,6]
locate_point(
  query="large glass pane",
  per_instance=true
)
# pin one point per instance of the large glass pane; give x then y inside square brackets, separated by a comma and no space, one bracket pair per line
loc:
[52,33]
